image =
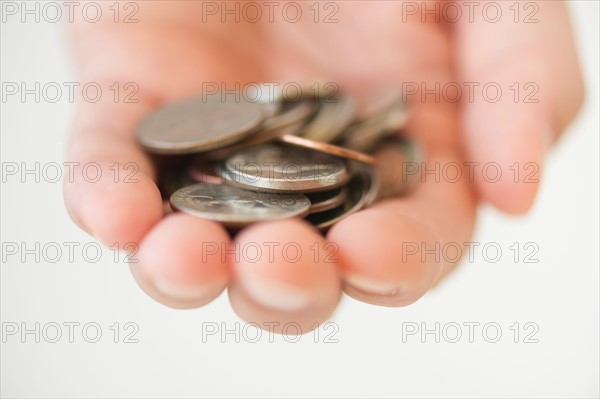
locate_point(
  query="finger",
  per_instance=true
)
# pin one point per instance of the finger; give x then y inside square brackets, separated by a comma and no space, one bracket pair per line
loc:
[124,206]
[535,65]
[180,262]
[391,254]
[283,273]
[109,191]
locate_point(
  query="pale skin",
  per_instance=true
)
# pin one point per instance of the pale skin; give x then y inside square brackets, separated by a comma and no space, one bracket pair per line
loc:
[171,52]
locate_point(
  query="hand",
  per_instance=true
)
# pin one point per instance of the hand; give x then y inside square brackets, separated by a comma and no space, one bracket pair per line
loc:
[171,52]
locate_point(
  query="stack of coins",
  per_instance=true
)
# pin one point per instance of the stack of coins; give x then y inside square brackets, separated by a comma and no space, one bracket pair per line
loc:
[236,161]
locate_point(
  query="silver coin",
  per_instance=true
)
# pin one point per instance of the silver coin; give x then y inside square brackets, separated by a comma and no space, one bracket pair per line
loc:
[398,166]
[199,124]
[271,109]
[260,137]
[290,114]
[235,207]
[377,100]
[281,168]
[366,134]
[288,121]
[332,118]
[311,91]
[325,200]
[265,93]
[268,95]
[359,189]
[396,116]
[373,182]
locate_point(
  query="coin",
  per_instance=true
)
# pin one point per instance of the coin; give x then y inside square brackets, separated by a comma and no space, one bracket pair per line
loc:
[260,137]
[271,109]
[199,124]
[235,207]
[398,166]
[377,100]
[289,121]
[264,92]
[366,134]
[326,200]
[327,148]
[312,91]
[332,118]
[371,181]
[282,168]
[358,189]
[396,116]
[290,113]
[268,95]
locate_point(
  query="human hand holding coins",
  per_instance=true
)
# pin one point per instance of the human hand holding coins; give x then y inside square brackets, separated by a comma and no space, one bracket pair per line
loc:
[187,258]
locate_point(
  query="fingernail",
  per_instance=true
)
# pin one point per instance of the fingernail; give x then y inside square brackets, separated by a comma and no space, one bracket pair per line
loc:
[371,285]
[276,294]
[184,292]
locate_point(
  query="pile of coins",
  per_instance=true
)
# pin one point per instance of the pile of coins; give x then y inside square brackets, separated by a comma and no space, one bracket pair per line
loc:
[238,162]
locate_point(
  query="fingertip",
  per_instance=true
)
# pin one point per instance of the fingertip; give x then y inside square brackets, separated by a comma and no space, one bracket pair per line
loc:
[383,257]
[116,211]
[282,322]
[284,274]
[507,148]
[515,198]
[181,262]
[283,264]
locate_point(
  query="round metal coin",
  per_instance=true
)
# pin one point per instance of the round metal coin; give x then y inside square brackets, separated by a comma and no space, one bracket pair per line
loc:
[290,113]
[325,200]
[235,207]
[359,188]
[365,135]
[399,166]
[281,168]
[200,124]
[333,117]
[327,148]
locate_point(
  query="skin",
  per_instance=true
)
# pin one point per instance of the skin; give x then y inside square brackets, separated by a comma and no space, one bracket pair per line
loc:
[171,52]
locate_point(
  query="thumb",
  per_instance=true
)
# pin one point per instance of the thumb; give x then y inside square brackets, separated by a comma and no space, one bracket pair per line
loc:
[527,88]
[109,190]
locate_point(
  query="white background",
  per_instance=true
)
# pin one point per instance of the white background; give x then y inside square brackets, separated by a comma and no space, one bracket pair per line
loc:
[559,294]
